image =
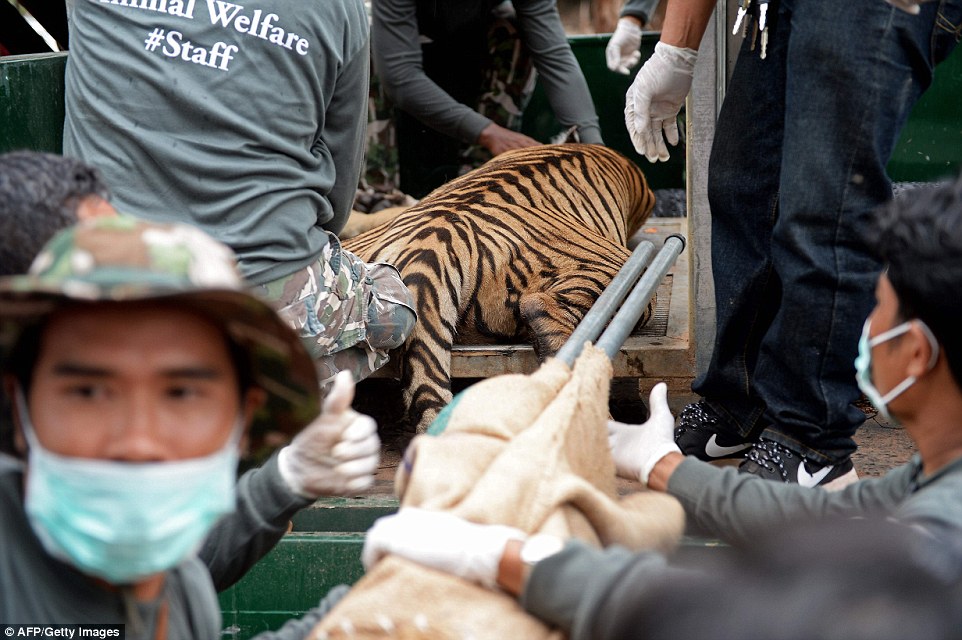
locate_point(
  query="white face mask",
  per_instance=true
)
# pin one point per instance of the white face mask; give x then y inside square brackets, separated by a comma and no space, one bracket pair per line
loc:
[123,521]
[863,364]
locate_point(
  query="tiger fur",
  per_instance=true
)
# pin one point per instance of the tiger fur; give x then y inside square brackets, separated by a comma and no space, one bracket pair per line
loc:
[519,248]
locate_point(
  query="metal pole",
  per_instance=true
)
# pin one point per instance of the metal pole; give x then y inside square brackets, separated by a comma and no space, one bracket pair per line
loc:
[607,303]
[627,317]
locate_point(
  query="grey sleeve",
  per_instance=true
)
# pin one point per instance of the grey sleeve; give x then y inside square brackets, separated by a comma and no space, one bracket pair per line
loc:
[732,506]
[345,127]
[641,9]
[265,505]
[936,507]
[584,591]
[395,45]
[558,69]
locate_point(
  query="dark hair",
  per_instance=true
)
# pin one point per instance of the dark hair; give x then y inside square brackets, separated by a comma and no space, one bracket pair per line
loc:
[919,238]
[864,579]
[18,363]
[39,195]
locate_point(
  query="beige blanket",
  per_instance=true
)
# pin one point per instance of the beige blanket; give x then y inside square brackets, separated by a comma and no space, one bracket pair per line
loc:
[527,451]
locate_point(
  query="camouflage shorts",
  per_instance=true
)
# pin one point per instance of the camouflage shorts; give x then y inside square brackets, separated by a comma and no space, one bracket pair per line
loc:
[349,313]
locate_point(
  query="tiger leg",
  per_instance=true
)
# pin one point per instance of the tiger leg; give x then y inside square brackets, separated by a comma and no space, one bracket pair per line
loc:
[426,379]
[552,315]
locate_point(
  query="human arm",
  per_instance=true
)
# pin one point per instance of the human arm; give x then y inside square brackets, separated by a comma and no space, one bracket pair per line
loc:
[498,139]
[736,507]
[336,454]
[574,587]
[685,22]
[343,134]
[622,52]
[265,506]
[934,505]
[588,592]
[395,45]
[658,91]
[641,10]
[727,504]
[559,72]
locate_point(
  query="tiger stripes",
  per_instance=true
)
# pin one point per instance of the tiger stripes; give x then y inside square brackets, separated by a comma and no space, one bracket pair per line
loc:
[519,248]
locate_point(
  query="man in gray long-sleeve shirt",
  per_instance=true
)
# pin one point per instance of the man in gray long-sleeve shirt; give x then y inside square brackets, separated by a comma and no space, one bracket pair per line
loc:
[910,366]
[248,122]
[139,366]
[429,57]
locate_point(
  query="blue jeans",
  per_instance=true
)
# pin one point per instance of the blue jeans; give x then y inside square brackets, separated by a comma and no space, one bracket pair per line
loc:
[797,167]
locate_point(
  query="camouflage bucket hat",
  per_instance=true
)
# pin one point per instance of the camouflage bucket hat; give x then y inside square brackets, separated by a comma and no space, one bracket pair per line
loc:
[123,259]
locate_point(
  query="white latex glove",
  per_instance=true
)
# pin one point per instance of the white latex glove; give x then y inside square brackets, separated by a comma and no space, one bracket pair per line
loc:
[338,453]
[655,98]
[908,6]
[636,448]
[622,52]
[441,541]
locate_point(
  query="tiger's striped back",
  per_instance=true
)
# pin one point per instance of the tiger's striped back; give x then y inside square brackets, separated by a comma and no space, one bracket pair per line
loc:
[518,248]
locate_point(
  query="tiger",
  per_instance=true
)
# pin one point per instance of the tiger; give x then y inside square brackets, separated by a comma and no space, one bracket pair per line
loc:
[517,249]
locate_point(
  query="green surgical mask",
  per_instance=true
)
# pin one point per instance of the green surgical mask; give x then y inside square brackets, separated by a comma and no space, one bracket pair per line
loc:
[863,365]
[123,521]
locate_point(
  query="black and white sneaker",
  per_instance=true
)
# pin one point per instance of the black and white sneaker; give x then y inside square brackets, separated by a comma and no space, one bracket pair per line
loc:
[772,461]
[697,435]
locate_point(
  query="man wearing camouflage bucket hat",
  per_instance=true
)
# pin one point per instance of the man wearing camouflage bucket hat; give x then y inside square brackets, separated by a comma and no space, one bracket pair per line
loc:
[140,365]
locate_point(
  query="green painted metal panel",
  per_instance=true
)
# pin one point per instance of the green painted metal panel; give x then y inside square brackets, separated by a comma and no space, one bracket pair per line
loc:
[322,551]
[289,580]
[31,102]
[344,515]
[930,146]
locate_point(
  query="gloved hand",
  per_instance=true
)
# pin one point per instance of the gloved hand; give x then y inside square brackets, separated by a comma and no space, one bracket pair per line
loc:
[636,448]
[909,6]
[655,98]
[338,453]
[441,541]
[622,52]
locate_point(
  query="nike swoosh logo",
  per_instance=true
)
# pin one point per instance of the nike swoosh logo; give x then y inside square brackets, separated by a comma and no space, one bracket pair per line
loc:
[715,450]
[807,479]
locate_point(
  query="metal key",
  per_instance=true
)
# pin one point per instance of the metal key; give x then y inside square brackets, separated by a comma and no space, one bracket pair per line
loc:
[742,10]
[763,25]
[762,14]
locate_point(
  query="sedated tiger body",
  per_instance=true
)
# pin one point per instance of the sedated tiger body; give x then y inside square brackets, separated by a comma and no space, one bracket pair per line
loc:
[518,248]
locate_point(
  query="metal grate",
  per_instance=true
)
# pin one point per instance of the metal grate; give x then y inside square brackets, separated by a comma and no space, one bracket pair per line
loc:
[657,327]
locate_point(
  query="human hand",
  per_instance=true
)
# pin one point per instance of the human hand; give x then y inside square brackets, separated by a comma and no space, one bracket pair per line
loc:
[498,139]
[636,448]
[622,52]
[655,98]
[338,453]
[908,6]
[440,541]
